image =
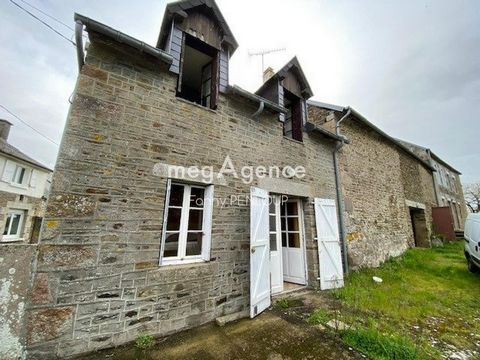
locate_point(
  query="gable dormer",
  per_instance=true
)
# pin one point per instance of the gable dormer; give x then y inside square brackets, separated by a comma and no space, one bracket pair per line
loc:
[197,36]
[288,88]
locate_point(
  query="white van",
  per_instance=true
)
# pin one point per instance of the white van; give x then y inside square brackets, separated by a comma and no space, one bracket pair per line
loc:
[472,242]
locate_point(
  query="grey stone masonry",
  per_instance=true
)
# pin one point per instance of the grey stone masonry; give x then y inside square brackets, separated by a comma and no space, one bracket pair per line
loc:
[98,277]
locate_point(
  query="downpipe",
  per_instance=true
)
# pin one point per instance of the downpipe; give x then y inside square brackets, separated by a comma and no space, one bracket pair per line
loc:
[338,186]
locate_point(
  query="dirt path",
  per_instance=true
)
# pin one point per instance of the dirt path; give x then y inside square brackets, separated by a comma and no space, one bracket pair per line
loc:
[276,334]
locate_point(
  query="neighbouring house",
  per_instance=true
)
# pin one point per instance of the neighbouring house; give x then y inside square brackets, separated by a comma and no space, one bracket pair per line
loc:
[387,189]
[448,187]
[24,184]
[135,242]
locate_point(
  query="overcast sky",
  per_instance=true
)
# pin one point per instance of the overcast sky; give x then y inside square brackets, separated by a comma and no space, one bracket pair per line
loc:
[410,67]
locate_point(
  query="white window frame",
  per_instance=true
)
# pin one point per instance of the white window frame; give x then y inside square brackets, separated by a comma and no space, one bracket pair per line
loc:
[25,179]
[18,235]
[181,258]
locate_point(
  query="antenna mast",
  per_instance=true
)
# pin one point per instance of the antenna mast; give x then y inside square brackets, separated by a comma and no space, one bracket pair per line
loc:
[262,53]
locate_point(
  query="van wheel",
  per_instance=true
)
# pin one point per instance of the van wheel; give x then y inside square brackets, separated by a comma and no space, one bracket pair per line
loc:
[472,267]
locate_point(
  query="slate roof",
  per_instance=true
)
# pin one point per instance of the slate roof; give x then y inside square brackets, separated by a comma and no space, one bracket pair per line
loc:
[12,151]
[280,74]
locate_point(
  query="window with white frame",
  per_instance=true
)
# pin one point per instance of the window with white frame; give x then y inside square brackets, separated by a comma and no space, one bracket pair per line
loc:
[13,225]
[19,176]
[187,223]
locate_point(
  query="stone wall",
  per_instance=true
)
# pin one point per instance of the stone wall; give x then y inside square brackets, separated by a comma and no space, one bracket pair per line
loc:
[377,179]
[16,261]
[97,282]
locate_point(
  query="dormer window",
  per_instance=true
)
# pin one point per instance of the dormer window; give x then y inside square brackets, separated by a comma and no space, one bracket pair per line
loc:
[198,77]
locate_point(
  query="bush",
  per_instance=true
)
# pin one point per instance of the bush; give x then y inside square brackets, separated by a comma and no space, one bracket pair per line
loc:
[144,342]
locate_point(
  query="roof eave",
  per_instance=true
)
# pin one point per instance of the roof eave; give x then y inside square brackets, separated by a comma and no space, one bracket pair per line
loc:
[120,37]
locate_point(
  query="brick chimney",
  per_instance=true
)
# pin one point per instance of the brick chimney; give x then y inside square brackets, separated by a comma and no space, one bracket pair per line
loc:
[4,129]
[267,74]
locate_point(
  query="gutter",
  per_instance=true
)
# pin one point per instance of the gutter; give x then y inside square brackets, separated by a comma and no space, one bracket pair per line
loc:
[338,186]
[79,44]
[258,99]
[117,36]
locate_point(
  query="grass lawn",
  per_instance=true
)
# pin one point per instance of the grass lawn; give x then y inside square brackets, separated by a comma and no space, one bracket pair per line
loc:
[428,305]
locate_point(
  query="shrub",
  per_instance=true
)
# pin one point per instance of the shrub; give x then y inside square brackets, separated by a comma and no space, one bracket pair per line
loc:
[144,342]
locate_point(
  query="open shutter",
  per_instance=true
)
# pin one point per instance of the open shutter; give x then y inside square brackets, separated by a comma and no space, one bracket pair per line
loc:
[8,171]
[259,252]
[214,82]
[297,119]
[180,65]
[207,222]
[165,216]
[329,253]
[33,179]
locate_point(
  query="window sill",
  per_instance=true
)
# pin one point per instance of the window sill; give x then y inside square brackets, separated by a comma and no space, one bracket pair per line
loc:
[195,104]
[13,240]
[182,263]
[294,141]
[20,186]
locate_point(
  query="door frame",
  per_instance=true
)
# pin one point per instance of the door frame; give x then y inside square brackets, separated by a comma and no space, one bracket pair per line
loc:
[303,244]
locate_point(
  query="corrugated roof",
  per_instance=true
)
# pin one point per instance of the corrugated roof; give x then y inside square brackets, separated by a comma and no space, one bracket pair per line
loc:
[12,151]
[375,128]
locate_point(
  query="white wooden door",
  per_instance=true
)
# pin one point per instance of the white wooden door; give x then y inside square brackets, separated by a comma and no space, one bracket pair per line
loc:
[276,270]
[293,254]
[259,252]
[329,253]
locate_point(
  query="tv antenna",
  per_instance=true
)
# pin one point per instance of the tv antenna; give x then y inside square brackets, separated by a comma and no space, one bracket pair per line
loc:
[262,53]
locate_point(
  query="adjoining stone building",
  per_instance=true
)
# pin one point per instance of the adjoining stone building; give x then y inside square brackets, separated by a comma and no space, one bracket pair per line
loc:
[134,243]
[448,187]
[387,189]
[24,184]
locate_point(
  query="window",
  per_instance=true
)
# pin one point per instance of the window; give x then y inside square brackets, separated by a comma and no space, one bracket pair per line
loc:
[19,175]
[290,224]
[187,223]
[198,77]
[293,124]
[13,225]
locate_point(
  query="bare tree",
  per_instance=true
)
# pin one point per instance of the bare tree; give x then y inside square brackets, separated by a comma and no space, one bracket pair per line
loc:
[472,197]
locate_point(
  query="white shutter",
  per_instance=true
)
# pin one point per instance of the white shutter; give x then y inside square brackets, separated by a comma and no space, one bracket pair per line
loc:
[33,179]
[259,252]
[329,253]
[165,215]
[8,171]
[207,222]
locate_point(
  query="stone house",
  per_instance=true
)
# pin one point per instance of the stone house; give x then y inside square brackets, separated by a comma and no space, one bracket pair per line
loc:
[387,189]
[155,223]
[24,184]
[448,187]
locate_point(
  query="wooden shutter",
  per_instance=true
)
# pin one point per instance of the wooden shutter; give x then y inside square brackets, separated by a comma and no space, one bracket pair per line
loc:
[329,252]
[180,65]
[214,83]
[207,222]
[8,171]
[33,179]
[223,71]
[259,252]
[165,216]
[297,125]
